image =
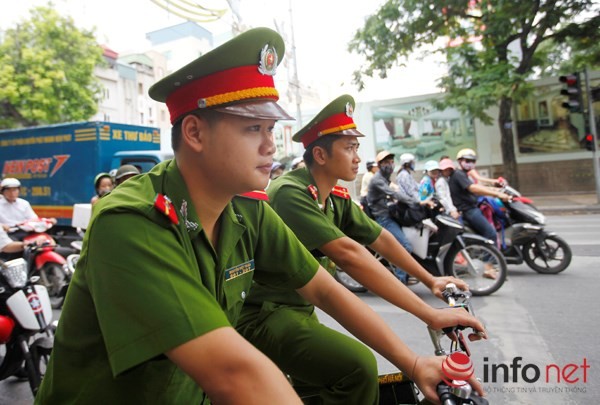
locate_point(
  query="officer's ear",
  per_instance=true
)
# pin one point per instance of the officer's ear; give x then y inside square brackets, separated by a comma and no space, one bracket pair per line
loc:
[319,155]
[193,131]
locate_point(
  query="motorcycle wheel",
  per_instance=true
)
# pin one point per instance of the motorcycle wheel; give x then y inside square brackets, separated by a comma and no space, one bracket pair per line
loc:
[54,278]
[488,272]
[551,257]
[344,279]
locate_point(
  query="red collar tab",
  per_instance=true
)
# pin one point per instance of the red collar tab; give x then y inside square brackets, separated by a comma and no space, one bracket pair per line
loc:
[313,192]
[330,125]
[341,192]
[227,86]
[164,205]
[256,195]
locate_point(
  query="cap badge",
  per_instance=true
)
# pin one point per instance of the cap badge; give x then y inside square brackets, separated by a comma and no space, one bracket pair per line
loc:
[268,61]
[349,110]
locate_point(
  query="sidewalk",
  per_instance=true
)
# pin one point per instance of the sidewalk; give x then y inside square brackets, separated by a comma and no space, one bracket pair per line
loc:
[560,204]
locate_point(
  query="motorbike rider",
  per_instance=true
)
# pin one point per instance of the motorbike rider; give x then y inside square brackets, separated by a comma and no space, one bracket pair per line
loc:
[15,210]
[125,172]
[103,184]
[442,189]
[408,188]
[464,194]
[378,197]
[427,184]
[282,323]
[170,255]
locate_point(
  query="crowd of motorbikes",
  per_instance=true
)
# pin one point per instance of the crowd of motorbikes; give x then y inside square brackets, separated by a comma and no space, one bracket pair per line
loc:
[31,286]
[444,246]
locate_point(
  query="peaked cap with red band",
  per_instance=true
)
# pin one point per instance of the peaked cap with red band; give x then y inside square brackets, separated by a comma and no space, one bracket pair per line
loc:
[234,78]
[335,119]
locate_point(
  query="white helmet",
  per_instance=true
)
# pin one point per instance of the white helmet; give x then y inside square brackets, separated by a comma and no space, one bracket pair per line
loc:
[10,182]
[432,165]
[466,154]
[406,158]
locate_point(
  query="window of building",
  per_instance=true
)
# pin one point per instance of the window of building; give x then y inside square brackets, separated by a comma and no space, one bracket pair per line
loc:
[141,89]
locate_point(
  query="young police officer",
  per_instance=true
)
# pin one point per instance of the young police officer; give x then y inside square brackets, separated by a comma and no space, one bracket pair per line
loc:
[169,258]
[281,323]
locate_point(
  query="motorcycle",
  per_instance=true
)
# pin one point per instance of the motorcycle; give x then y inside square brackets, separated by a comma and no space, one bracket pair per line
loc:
[43,260]
[26,326]
[443,248]
[522,236]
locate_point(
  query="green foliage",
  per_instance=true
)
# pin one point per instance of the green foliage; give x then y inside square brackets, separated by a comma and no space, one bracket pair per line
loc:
[494,43]
[47,71]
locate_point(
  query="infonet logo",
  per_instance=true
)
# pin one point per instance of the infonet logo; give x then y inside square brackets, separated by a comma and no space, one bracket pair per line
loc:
[530,373]
[457,368]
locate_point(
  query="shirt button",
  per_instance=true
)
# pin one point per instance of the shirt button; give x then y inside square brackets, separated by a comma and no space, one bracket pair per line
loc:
[243,295]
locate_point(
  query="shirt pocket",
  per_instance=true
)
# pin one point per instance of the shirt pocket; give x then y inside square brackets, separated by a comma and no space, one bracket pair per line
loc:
[236,290]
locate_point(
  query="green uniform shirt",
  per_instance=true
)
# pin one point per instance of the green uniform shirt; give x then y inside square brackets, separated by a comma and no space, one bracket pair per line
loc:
[291,197]
[144,285]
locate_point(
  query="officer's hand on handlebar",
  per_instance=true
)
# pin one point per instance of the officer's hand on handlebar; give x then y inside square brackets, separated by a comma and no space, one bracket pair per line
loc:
[457,317]
[439,285]
[427,374]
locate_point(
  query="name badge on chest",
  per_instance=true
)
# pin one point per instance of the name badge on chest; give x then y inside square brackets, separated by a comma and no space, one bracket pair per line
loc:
[239,270]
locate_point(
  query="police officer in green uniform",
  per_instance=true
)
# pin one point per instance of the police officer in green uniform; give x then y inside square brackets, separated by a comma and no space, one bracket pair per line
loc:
[331,225]
[170,255]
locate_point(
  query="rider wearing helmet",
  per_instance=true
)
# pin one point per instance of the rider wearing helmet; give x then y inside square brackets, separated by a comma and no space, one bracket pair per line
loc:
[125,172]
[372,168]
[103,184]
[427,185]
[464,194]
[408,188]
[14,210]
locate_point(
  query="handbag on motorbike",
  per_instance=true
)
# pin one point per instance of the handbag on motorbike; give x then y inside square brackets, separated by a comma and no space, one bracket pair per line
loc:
[407,214]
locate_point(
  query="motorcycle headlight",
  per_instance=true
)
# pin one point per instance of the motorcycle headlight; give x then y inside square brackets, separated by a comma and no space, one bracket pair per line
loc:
[15,272]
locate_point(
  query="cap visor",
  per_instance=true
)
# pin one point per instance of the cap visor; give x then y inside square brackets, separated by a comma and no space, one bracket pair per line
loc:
[263,109]
[349,132]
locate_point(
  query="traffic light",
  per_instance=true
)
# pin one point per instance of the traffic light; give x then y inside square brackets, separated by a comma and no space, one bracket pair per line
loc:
[588,142]
[573,92]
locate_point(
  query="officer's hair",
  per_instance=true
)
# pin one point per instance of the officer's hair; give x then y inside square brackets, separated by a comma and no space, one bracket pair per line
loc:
[325,142]
[210,116]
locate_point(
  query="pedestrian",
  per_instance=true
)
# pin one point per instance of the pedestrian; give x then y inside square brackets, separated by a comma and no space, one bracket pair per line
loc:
[103,184]
[282,323]
[442,188]
[125,172]
[170,255]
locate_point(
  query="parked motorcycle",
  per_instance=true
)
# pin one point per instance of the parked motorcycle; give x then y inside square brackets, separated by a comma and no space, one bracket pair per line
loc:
[44,261]
[443,248]
[522,236]
[26,327]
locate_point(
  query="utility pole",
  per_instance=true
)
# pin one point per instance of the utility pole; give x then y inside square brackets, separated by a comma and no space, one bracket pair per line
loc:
[295,82]
[592,120]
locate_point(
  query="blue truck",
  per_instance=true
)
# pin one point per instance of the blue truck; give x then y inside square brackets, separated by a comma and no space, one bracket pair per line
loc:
[56,164]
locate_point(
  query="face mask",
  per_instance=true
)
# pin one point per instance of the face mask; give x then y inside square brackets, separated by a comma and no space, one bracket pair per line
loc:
[387,170]
[412,166]
[467,166]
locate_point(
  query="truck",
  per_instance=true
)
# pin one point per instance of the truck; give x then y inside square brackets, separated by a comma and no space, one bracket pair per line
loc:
[57,164]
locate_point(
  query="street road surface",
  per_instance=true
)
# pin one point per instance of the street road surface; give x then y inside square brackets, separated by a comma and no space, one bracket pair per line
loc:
[545,320]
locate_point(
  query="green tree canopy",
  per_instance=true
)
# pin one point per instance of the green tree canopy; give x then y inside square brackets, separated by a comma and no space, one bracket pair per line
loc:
[47,71]
[491,48]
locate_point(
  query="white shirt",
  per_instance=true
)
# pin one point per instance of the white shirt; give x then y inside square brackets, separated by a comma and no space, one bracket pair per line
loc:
[442,190]
[15,213]
[4,239]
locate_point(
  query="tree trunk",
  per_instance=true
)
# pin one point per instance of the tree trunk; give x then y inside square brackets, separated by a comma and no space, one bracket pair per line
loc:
[507,144]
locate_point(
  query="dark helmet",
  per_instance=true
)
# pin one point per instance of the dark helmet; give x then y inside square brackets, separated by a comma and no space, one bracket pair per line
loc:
[126,170]
[370,164]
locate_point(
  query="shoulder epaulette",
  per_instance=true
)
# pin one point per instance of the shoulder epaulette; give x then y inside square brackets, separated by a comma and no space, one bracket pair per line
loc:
[341,192]
[256,195]
[313,192]
[164,205]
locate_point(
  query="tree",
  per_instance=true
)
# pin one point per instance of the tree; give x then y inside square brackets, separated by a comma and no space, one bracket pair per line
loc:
[490,47]
[47,71]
